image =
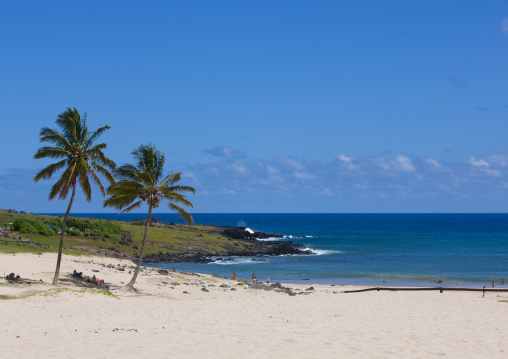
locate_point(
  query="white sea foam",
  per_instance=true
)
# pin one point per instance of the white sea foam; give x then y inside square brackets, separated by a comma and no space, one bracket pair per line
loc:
[269,239]
[249,230]
[283,237]
[322,252]
[239,260]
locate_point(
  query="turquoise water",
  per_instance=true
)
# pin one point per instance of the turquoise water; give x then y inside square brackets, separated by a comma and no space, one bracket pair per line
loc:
[372,249]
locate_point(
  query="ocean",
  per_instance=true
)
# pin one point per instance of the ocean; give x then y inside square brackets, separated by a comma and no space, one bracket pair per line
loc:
[365,249]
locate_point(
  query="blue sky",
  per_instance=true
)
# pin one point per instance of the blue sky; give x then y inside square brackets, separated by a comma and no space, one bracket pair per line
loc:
[269,106]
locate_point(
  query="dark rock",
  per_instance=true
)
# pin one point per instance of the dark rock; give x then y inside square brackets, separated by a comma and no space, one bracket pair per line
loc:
[5,232]
[126,238]
[204,289]
[164,271]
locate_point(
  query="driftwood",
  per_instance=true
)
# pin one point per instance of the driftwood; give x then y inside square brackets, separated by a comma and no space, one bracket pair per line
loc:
[440,289]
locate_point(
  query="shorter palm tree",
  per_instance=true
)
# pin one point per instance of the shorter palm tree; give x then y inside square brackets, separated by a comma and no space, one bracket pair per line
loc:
[145,182]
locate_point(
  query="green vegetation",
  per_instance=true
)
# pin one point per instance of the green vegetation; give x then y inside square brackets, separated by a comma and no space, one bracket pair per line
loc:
[145,182]
[25,226]
[77,227]
[105,228]
[163,238]
[80,159]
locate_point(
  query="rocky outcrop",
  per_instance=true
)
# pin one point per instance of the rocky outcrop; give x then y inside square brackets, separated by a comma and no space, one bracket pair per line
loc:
[5,232]
[126,238]
[255,248]
[246,233]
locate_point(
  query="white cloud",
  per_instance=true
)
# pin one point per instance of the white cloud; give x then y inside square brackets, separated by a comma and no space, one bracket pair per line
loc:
[399,164]
[191,177]
[399,178]
[435,164]
[501,160]
[480,164]
[240,168]
[225,152]
[325,191]
[291,162]
[348,162]
[344,158]
[304,175]
[483,167]
[271,170]
[403,164]
[504,26]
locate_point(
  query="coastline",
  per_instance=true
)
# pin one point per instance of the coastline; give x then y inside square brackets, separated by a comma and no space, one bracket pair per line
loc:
[160,319]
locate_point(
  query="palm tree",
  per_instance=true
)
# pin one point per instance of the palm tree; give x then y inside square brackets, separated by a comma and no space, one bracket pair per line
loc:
[78,157]
[145,182]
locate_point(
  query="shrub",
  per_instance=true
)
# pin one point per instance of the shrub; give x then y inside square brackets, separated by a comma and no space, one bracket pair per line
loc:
[72,232]
[105,228]
[26,226]
[79,223]
[54,221]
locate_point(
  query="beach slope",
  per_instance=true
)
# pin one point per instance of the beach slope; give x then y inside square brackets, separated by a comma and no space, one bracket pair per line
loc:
[200,316]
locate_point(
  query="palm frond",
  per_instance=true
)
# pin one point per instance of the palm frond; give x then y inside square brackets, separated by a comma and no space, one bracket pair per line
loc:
[171,178]
[85,185]
[104,172]
[64,183]
[177,197]
[91,170]
[70,123]
[52,136]
[187,217]
[126,172]
[179,189]
[95,135]
[48,171]
[51,152]
[135,205]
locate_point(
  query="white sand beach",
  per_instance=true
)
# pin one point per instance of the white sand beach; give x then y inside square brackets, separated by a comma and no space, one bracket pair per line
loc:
[39,320]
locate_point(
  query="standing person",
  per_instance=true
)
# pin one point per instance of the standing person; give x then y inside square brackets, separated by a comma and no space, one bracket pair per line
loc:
[234,275]
[483,292]
[254,280]
[493,285]
[268,280]
[502,282]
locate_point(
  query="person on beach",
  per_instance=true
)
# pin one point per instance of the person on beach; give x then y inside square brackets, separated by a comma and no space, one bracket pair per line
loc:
[502,282]
[493,285]
[268,280]
[234,275]
[254,280]
[483,296]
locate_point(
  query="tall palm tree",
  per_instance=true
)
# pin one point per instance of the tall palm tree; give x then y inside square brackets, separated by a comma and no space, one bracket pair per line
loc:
[145,182]
[78,157]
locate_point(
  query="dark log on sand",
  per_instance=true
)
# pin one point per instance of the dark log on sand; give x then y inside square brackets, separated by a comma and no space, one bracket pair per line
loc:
[440,289]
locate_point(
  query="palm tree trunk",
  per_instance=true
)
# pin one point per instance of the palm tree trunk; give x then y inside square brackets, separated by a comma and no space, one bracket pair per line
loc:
[62,233]
[133,280]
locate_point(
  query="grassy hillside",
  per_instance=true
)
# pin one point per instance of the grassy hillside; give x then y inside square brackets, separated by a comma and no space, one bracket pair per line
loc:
[174,239]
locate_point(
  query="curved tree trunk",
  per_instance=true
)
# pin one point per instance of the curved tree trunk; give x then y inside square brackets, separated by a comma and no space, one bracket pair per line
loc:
[133,280]
[62,233]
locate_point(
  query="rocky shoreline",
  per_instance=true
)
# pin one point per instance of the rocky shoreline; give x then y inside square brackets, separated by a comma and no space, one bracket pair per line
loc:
[257,248]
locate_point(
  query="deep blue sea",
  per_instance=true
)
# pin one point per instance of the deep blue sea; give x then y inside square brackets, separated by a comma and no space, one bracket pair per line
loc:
[367,249]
